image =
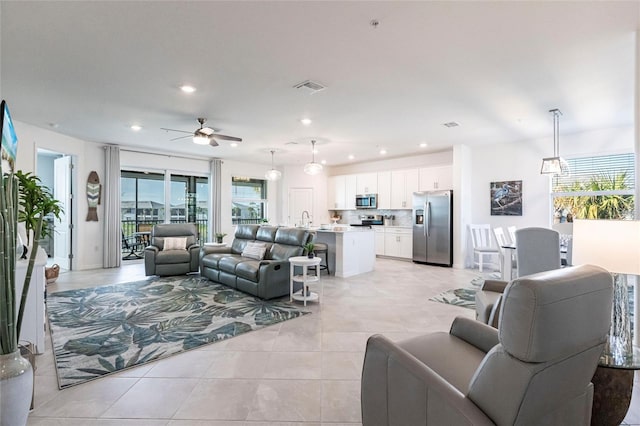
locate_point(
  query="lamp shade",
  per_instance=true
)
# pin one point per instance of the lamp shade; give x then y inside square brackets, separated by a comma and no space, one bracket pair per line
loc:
[273,174]
[312,168]
[611,244]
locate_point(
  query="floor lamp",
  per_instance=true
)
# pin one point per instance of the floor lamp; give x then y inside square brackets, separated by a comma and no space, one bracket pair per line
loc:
[615,246]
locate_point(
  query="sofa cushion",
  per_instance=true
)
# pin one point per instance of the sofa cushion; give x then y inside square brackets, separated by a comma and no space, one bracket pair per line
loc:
[173,256]
[175,243]
[237,246]
[248,270]
[211,260]
[229,263]
[284,251]
[292,236]
[246,232]
[254,250]
[267,233]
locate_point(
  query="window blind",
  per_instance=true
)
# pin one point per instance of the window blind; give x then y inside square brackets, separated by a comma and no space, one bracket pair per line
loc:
[618,167]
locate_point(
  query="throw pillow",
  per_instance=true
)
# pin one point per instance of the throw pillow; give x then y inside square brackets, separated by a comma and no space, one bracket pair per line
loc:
[175,243]
[254,251]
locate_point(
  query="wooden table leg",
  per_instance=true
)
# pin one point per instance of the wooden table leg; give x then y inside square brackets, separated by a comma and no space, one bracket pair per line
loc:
[612,389]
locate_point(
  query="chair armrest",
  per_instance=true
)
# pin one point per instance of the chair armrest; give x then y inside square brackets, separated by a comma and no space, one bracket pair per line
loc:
[476,333]
[153,249]
[205,250]
[399,389]
[494,285]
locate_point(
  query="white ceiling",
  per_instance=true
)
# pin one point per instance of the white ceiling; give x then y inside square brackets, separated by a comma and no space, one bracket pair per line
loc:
[94,68]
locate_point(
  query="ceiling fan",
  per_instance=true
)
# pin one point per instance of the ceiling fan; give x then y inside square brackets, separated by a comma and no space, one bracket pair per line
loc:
[203,135]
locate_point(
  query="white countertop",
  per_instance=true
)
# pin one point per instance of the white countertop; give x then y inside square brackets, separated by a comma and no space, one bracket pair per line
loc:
[346,228]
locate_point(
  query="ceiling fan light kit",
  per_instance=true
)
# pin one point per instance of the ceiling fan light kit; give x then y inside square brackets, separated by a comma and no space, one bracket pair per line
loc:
[273,174]
[203,135]
[200,139]
[556,165]
[313,168]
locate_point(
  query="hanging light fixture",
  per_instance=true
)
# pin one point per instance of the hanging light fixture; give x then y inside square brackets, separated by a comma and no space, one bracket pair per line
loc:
[313,168]
[556,165]
[273,174]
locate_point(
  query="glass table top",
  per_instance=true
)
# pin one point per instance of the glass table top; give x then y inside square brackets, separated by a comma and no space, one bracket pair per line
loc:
[629,361]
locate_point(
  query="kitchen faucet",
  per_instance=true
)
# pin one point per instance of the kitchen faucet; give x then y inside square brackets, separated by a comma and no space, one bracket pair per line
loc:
[308,219]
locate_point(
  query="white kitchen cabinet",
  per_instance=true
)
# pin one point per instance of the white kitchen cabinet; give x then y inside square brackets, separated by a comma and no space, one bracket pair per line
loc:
[398,242]
[384,190]
[436,178]
[403,184]
[367,183]
[379,240]
[336,193]
[350,192]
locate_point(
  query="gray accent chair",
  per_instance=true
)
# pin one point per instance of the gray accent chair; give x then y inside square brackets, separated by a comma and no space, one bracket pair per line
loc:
[172,262]
[537,250]
[535,369]
[267,278]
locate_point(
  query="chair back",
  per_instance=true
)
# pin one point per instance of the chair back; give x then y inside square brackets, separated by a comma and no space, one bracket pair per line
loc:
[501,238]
[164,230]
[553,326]
[481,236]
[512,233]
[537,250]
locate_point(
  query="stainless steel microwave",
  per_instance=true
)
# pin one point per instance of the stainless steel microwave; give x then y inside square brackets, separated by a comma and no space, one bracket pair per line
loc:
[367,201]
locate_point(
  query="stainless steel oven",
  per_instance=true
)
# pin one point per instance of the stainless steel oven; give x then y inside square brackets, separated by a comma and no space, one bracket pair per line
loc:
[367,201]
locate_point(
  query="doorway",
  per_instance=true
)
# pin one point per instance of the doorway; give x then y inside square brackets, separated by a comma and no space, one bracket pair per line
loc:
[54,170]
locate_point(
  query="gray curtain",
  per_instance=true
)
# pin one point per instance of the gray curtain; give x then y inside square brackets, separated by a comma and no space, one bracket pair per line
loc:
[216,204]
[112,256]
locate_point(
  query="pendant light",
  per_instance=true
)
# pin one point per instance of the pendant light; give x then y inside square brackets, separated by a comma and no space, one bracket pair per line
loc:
[273,174]
[556,165]
[313,168]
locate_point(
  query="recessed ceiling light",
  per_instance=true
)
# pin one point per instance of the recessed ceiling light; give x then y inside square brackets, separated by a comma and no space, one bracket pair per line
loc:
[383,151]
[323,162]
[423,145]
[186,88]
[136,127]
[306,121]
[451,124]
[351,157]
[233,145]
[54,125]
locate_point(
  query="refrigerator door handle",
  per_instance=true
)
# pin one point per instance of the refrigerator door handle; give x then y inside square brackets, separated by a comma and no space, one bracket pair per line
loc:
[427,210]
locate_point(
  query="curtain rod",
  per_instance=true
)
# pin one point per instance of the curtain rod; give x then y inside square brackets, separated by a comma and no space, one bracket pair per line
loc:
[165,155]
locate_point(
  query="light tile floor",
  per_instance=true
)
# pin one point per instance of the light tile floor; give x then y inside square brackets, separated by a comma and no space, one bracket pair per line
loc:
[304,371]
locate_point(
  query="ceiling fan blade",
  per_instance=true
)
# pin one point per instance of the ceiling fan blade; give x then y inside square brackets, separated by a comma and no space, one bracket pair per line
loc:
[181,137]
[212,141]
[174,130]
[227,138]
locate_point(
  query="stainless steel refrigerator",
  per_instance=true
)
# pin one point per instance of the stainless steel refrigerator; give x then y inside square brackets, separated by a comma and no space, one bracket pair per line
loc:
[433,227]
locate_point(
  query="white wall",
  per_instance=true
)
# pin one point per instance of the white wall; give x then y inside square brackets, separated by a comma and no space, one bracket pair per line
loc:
[142,161]
[414,161]
[87,247]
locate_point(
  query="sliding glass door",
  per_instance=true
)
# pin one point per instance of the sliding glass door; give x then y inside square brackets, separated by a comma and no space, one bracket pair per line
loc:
[190,201]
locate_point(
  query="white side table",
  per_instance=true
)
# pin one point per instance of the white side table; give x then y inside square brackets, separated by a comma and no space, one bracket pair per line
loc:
[303,261]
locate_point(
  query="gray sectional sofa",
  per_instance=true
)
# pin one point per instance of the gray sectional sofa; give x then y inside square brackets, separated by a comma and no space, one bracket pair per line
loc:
[266,278]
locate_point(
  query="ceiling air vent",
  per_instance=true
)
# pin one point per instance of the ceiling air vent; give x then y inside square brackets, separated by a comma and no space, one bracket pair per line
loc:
[310,86]
[451,124]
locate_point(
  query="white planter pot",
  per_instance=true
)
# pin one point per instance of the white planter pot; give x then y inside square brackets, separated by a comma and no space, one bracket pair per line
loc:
[16,387]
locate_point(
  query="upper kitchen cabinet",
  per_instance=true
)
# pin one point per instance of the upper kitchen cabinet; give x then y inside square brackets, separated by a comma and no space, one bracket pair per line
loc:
[341,192]
[403,184]
[385,192]
[367,183]
[436,178]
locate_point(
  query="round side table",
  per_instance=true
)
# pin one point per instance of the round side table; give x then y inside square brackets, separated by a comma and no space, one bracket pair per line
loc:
[303,295]
[612,387]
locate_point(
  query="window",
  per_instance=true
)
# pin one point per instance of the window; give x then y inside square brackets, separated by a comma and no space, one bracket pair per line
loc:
[141,200]
[248,200]
[598,188]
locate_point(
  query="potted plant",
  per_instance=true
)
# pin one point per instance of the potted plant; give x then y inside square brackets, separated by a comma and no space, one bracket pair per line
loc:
[22,198]
[308,248]
[219,237]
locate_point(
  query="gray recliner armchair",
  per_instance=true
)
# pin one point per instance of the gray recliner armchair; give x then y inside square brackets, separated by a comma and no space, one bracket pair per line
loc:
[173,250]
[536,369]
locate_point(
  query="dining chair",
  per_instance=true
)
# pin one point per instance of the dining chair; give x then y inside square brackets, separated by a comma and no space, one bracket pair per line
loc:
[502,241]
[565,229]
[537,250]
[512,234]
[483,244]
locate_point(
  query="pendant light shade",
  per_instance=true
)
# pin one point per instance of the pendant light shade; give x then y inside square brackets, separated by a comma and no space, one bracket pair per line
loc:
[273,174]
[313,168]
[556,165]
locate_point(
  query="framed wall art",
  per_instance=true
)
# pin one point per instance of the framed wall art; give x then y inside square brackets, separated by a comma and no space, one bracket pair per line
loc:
[506,198]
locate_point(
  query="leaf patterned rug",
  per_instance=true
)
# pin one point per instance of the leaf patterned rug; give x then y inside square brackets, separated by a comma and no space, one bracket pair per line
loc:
[101,330]
[464,297]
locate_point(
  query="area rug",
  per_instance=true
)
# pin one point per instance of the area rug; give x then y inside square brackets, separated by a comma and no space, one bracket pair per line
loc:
[102,330]
[464,297]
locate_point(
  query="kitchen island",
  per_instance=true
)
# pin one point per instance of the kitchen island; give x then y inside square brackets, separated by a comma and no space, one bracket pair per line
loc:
[351,250]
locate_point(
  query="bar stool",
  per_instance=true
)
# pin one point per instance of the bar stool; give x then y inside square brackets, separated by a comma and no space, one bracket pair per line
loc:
[322,248]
